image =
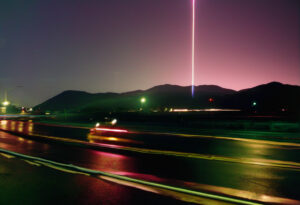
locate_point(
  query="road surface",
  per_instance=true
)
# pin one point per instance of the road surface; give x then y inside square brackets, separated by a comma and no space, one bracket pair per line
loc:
[248,170]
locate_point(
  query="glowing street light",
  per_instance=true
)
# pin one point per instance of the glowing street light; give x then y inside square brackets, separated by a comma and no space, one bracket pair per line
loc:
[6,103]
[254,103]
[143,100]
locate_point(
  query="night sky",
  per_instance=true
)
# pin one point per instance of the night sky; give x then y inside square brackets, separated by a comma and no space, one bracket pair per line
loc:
[50,46]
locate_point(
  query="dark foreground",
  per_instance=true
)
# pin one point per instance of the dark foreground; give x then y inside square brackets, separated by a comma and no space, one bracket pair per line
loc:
[23,183]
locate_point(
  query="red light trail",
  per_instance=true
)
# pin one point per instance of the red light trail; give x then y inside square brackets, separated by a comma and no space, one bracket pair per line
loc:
[110,130]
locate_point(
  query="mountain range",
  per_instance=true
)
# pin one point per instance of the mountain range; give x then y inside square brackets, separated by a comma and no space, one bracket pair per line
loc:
[271,97]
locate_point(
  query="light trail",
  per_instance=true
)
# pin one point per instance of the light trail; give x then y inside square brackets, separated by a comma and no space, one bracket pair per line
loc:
[193,49]
[252,161]
[110,130]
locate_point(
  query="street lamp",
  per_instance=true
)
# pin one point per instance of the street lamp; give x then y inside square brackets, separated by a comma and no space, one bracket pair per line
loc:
[143,100]
[5,103]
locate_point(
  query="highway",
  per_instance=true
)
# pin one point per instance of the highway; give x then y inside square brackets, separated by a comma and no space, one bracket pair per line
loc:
[166,169]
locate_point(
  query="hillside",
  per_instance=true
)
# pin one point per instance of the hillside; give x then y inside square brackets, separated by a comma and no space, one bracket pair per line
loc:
[69,100]
[273,96]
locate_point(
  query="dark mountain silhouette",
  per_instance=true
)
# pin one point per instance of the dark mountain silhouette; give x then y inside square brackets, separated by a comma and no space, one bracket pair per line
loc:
[179,96]
[273,96]
[71,99]
[210,89]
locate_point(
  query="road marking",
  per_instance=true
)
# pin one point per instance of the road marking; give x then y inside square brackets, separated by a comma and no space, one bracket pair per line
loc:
[252,161]
[292,144]
[277,143]
[63,125]
[190,135]
[7,156]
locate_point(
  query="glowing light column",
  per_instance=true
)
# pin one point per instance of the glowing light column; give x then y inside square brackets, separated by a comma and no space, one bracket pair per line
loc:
[193,48]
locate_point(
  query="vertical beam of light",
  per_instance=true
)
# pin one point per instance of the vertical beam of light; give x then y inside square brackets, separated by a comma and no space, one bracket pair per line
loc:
[193,48]
[5,95]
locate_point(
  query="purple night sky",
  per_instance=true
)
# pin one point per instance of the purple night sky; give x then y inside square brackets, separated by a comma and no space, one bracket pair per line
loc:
[47,47]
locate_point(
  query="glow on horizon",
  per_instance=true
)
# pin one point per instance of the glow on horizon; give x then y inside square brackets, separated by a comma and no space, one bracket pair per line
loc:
[193,48]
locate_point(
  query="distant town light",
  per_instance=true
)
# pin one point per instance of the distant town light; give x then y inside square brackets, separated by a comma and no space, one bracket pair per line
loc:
[210,99]
[254,103]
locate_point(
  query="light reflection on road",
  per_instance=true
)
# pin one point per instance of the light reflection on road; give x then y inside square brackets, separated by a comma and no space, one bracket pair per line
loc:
[110,162]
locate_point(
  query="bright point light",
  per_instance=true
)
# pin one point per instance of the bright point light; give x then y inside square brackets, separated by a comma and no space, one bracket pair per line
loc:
[97,124]
[3,122]
[143,100]
[5,103]
[254,103]
[114,121]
